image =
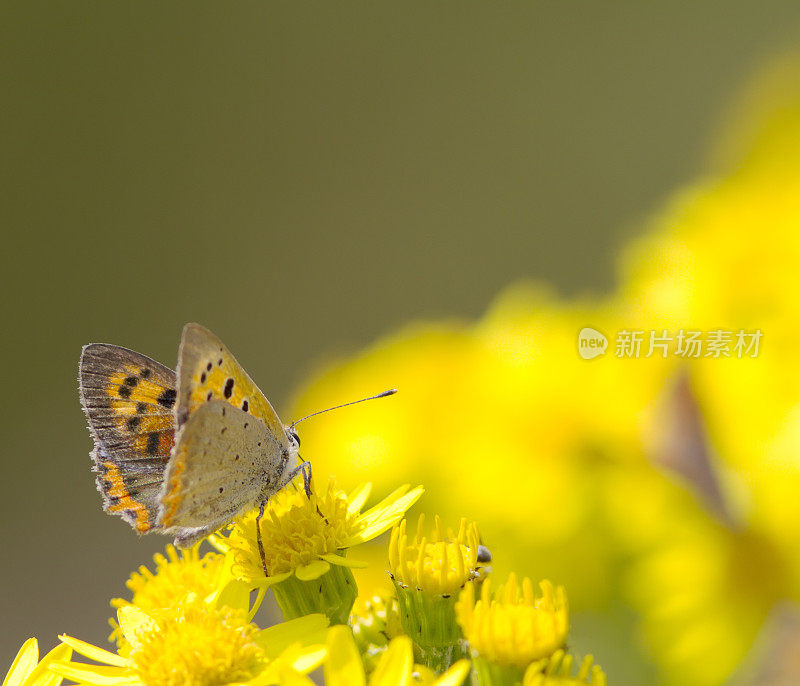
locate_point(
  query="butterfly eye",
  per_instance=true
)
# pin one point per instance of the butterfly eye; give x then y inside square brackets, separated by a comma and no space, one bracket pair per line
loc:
[296,438]
[484,555]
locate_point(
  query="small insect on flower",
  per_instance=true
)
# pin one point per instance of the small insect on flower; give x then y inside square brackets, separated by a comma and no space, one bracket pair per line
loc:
[184,453]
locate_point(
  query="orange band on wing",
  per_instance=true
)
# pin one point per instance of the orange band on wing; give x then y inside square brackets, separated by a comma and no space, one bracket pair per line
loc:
[172,498]
[124,500]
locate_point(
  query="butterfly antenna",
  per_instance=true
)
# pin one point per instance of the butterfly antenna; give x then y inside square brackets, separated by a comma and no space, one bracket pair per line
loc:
[391,391]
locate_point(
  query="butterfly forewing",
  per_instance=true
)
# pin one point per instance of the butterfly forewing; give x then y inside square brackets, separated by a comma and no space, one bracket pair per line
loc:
[128,399]
[208,371]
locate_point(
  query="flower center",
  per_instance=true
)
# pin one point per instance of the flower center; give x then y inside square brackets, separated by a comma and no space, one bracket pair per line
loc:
[295,529]
[176,576]
[203,645]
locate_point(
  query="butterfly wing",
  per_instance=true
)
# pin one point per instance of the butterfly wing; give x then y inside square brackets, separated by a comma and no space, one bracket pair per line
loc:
[208,371]
[225,462]
[128,399]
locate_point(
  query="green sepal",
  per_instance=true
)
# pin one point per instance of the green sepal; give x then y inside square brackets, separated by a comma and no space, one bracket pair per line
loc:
[430,622]
[332,593]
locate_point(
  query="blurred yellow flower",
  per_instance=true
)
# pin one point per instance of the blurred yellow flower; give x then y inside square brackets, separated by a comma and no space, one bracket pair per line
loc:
[724,254]
[27,670]
[699,536]
[514,627]
[509,417]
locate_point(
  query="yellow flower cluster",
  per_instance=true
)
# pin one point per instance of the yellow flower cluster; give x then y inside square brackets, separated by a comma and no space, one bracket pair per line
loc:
[191,620]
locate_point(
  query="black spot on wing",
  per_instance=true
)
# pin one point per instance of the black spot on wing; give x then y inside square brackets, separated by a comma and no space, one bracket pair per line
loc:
[152,444]
[167,398]
[228,388]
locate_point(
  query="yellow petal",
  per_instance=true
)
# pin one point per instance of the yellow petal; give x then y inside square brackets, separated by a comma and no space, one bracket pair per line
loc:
[93,652]
[131,619]
[313,570]
[394,667]
[256,603]
[383,516]
[308,658]
[279,673]
[343,666]
[23,664]
[343,561]
[97,675]
[42,676]
[235,594]
[388,501]
[307,630]
[267,581]
[455,675]
[357,498]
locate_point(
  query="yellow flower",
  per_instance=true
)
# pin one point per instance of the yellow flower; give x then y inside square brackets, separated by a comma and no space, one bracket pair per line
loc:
[304,536]
[515,628]
[176,576]
[198,643]
[343,666]
[27,670]
[557,671]
[427,574]
[439,565]
[305,541]
[375,622]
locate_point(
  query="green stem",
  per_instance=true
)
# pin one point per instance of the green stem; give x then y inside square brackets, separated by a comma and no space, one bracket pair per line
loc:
[484,673]
[430,621]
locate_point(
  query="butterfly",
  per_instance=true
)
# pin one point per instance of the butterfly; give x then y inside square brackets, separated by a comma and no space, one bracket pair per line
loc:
[183,453]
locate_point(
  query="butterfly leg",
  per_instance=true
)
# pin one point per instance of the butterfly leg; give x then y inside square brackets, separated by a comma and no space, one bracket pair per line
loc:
[305,469]
[258,537]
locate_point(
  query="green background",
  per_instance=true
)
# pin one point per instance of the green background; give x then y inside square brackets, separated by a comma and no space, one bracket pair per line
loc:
[300,178]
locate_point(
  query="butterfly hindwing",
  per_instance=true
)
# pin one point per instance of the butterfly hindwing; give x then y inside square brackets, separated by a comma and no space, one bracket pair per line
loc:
[128,399]
[208,371]
[225,462]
